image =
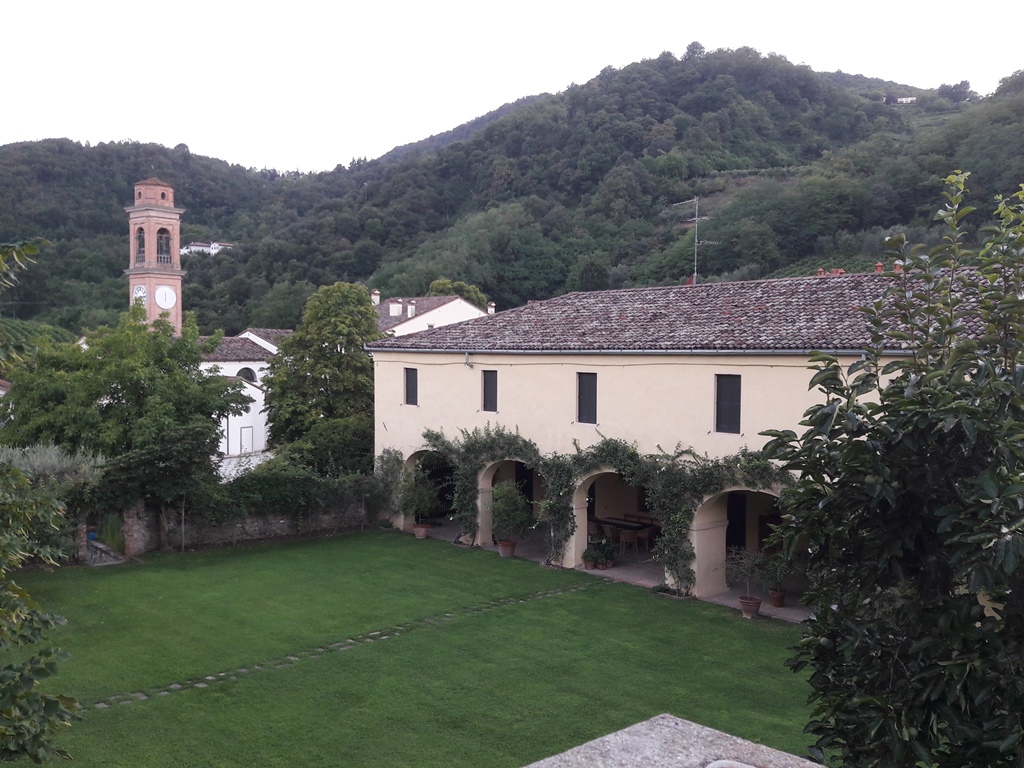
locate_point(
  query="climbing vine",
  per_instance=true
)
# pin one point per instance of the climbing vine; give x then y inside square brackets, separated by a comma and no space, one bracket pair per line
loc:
[675,483]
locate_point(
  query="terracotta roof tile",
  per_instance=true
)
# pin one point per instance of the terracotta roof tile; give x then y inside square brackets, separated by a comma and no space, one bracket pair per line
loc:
[783,314]
[273,335]
[235,350]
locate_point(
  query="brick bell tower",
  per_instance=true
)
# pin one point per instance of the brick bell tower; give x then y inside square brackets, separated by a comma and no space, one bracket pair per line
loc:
[154,267]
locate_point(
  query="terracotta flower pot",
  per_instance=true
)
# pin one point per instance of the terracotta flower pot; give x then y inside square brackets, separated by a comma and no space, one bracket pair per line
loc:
[589,565]
[506,548]
[777,598]
[750,606]
[420,529]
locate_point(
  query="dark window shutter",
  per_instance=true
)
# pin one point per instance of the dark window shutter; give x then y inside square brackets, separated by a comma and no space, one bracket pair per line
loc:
[586,398]
[727,403]
[490,390]
[412,395]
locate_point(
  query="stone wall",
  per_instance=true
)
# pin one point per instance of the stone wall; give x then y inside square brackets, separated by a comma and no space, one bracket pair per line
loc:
[141,530]
[255,528]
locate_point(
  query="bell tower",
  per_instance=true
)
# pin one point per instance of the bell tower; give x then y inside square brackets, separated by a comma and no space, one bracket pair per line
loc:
[154,266]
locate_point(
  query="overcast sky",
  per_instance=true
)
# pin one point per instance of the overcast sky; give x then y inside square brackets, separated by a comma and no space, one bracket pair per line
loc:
[302,85]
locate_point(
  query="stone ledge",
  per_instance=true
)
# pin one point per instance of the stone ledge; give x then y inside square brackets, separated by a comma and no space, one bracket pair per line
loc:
[665,741]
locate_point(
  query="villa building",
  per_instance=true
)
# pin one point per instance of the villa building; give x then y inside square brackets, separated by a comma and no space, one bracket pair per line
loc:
[707,367]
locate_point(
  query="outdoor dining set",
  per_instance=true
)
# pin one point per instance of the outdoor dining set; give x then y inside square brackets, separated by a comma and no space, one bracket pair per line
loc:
[626,533]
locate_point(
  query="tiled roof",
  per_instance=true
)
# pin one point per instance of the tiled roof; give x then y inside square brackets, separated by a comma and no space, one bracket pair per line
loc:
[424,304]
[784,314]
[233,349]
[273,335]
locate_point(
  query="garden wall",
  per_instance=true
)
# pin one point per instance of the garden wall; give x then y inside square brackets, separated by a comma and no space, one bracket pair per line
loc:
[142,534]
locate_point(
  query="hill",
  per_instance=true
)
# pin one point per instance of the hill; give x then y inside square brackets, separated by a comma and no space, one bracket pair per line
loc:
[577,190]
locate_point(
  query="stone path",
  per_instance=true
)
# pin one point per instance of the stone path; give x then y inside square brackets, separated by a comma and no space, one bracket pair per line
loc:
[348,644]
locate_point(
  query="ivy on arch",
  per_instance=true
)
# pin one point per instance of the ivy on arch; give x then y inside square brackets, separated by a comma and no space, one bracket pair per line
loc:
[676,484]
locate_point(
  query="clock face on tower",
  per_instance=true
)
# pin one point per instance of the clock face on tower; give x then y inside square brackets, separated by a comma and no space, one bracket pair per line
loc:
[139,294]
[166,298]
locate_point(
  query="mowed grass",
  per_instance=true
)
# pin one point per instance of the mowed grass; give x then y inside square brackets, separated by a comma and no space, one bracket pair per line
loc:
[480,660]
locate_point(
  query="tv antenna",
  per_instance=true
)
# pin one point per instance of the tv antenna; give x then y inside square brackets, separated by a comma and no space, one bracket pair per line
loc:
[696,231]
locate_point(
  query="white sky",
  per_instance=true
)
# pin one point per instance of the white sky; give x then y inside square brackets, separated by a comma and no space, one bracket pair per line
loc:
[301,85]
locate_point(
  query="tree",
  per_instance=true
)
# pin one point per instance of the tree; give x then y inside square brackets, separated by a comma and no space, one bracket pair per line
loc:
[135,394]
[445,287]
[322,371]
[957,93]
[29,719]
[908,513]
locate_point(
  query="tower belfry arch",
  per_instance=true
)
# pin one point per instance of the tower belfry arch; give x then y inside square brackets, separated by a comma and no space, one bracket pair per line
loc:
[154,266]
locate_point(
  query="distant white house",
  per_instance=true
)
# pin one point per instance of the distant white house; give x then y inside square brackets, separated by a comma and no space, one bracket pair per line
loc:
[906,99]
[245,357]
[399,316]
[211,249]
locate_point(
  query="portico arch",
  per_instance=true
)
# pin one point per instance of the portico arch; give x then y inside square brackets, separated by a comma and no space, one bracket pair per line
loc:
[439,472]
[602,492]
[528,480]
[736,516]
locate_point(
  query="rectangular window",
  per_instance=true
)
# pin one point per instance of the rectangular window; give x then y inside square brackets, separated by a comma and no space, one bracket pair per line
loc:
[490,383]
[586,398]
[727,403]
[412,395]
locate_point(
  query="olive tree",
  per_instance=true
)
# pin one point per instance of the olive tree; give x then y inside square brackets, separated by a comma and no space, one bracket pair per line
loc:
[908,513]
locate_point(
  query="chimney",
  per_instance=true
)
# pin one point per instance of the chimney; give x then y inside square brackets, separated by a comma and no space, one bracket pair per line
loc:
[395,307]
[821,272]
[878,268]
[412,307]
[375,297]
[899,267]
[490,308]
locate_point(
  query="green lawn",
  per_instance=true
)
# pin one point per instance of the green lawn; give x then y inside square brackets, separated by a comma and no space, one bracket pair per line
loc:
[478,660]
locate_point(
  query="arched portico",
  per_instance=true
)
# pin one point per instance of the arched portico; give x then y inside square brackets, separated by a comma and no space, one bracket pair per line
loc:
[525,477]
[599,494]
[733,517]
[440,474]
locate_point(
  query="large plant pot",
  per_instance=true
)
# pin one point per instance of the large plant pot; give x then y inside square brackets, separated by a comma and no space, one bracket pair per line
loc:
[750,606]
[589,565]
[420,529]
[777,598]
[506,548]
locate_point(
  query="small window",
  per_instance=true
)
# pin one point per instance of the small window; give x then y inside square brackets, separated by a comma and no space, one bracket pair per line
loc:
[490,383]
[248,374]
[412,395]
[586,398]
[727,403]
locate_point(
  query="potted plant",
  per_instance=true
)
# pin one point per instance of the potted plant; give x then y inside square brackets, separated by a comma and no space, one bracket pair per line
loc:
[590,556]
[608,550]
[746,567]
[776,568]
[511,516]
[418,500]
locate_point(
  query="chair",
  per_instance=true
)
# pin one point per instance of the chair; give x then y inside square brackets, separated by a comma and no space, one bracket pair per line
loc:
[627,538]
[646,535]
[593,532]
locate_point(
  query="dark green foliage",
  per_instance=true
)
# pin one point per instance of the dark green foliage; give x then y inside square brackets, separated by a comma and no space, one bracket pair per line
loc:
[335,447]
[675,484]
[445,287]
[510,512]
[511,203]
[29,719]
[135,394]
[907,514]
[322,371]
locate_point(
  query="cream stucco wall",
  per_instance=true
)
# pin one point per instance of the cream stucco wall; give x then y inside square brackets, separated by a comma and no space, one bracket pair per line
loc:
[651,400]
[654,401]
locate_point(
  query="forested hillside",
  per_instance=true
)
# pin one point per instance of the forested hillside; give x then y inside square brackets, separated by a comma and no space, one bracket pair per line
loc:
[580,189]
